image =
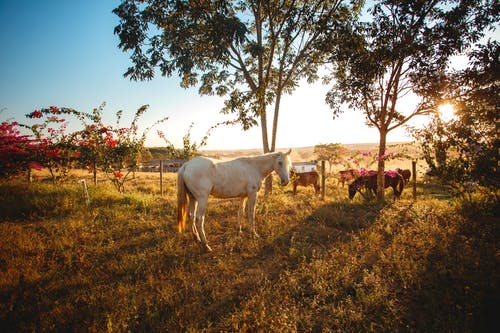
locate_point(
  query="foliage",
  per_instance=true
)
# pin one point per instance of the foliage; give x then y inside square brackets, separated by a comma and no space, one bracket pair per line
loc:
[56,149]
[16,150]
[252,52]
[401,50]
[331,152]
[189,149]
[330,265]
[116,151]
[465,149]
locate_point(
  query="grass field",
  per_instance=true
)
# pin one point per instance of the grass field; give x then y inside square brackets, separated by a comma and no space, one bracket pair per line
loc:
[332,265]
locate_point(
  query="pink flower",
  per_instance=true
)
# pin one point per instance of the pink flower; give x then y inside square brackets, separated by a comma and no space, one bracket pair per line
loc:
[391,173]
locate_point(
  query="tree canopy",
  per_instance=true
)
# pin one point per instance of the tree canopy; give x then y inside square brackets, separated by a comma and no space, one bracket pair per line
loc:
[465,148]
[403,49]
[251,52]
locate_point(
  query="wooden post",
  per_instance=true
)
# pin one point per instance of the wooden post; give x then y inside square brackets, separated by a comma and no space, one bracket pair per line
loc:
[85,191]
[414,178]
[161,177]
[322,180]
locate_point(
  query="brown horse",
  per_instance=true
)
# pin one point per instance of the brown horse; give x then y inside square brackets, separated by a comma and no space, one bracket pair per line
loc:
[304,179]
[369,182]
[405,173]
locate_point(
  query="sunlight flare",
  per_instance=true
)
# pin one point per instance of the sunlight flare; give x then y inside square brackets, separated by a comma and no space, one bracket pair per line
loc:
[446,112]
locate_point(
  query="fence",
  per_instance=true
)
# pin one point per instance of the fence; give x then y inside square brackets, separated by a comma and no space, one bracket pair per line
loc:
[174,165]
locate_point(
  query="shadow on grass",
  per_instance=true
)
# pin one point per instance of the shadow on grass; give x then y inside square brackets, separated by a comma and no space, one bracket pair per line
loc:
[242,266]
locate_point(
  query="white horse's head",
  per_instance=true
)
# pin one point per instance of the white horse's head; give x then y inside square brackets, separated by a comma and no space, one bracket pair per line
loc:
[282,165]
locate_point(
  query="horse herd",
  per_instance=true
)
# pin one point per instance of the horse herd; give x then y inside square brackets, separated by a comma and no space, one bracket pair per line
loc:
[360,179]
[242,178]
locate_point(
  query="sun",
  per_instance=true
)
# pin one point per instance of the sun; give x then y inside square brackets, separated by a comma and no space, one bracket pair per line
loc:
[446,112]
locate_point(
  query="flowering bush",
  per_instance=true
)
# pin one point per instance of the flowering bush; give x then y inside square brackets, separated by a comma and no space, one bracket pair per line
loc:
[116,151]
[16,150]
[55,149]
[391,173]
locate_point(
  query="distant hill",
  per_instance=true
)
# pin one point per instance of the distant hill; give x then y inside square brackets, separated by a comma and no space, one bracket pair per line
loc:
[307,153]
[408,150]
[298,153]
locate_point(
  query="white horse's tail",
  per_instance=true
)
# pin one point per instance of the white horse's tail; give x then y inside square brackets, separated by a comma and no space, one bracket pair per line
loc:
[182,201]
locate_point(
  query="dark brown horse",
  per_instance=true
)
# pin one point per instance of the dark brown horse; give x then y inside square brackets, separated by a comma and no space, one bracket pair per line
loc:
[392,179]
[304,179]
[405,173]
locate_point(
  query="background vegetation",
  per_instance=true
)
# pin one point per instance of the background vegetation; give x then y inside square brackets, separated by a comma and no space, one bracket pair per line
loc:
[333,265]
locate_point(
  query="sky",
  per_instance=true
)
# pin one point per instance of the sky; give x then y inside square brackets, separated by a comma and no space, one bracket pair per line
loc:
[64,53]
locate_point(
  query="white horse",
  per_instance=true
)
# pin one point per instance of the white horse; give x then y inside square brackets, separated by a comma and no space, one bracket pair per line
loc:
[242,178]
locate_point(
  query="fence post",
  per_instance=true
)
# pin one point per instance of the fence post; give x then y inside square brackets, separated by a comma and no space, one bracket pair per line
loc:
[85,191]
[161,177]
[322,180]
[414,178]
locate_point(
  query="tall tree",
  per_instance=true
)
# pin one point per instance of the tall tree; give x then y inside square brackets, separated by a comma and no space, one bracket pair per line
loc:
[251,52]
[404,46]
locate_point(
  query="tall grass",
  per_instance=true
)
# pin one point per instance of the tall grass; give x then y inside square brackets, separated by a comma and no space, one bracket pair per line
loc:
[334,265]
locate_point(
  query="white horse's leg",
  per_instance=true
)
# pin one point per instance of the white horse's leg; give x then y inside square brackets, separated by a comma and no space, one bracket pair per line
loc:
[193,204]
[252,198]
[200,219]
[241,212]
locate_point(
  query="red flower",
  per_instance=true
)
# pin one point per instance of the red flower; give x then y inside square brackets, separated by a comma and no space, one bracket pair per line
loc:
[36,166]
[54,109]
[36,114]
[118,174]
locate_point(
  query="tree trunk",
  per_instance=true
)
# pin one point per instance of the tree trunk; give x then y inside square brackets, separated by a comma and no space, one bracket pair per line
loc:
[269,180]
[381,165]
[95,173]
[268,187]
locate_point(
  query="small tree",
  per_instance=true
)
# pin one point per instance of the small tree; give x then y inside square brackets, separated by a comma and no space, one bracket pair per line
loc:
[56,149]
[331,152]
[117,151]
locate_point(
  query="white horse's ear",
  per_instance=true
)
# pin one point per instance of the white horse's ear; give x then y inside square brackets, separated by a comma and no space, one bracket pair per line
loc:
[289,151]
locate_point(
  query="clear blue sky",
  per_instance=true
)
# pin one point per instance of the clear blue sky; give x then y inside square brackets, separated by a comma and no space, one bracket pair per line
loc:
[64,53]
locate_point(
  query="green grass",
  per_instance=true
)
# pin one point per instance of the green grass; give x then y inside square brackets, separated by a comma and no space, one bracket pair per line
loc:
[333,265]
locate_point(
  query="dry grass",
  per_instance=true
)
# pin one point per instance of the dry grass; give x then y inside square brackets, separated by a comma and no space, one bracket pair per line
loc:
[331,265]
